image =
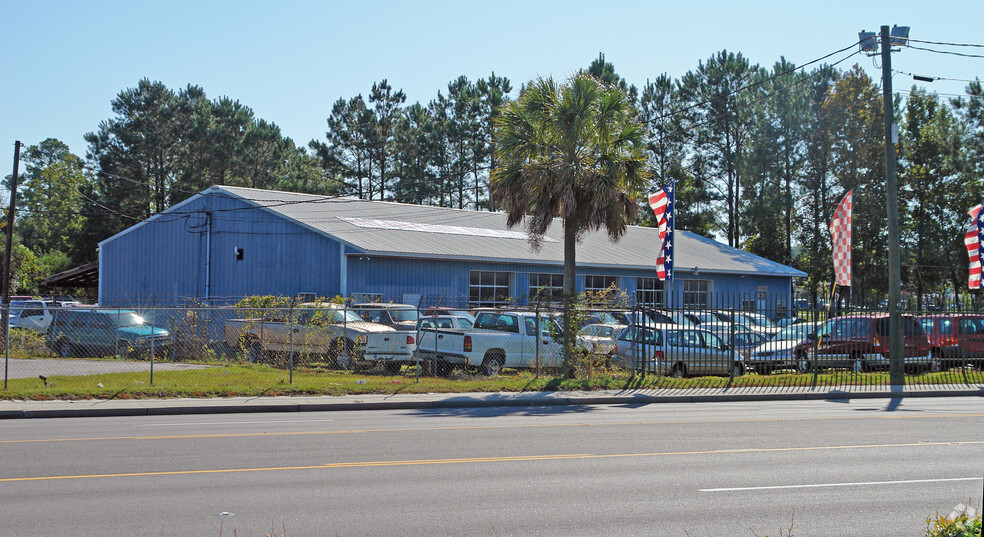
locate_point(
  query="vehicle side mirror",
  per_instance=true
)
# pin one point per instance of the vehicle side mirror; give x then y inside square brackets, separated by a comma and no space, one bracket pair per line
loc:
[811,336]
[725,347]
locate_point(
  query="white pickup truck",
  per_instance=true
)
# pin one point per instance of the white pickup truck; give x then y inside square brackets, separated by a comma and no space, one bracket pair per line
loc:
[498,340]
[338,334]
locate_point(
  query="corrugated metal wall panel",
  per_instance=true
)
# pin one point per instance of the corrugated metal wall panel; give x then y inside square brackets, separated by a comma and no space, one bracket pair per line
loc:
[446,282]
[166,258]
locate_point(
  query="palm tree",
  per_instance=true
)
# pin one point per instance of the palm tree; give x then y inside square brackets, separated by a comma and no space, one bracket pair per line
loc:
[572,151]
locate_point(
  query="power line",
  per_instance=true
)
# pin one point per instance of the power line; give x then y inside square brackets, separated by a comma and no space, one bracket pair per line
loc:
[946,44]
[934,78]
[758,83]
[947,52]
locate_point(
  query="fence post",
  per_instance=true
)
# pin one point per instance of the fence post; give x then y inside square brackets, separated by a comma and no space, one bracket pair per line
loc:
[290,325]
[153,308]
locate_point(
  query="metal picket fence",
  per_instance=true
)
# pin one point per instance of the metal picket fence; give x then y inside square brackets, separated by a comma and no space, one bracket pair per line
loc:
[734,342]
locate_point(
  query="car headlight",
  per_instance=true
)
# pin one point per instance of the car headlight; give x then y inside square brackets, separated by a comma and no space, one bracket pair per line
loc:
[140,341]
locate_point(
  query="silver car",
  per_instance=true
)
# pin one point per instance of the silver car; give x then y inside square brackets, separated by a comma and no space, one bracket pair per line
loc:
[676,351]
[780,351]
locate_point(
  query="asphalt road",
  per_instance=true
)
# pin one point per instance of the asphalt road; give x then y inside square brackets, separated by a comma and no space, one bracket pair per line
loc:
[865,467]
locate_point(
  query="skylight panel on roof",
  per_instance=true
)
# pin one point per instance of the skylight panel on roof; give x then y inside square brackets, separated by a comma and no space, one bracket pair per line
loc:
[398,225]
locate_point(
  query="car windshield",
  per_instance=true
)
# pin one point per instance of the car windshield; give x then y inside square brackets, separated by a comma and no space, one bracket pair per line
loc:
[127,318]
[333,316]
[405,315]
[796,332]
[760,320]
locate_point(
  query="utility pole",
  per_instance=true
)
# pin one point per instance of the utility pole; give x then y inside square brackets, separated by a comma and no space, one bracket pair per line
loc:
[895,346]
[5,317]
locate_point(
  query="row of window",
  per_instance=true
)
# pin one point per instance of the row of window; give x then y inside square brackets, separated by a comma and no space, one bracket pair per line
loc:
[492,289]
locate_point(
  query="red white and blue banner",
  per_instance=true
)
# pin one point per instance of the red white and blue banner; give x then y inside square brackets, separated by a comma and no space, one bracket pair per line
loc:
[973,239]
[662,204]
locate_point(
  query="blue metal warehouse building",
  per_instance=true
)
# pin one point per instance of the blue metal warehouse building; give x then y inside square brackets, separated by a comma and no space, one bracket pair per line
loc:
[229,242]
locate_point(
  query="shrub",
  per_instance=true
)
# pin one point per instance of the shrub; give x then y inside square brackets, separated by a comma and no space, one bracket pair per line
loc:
[24,342]
[962,522]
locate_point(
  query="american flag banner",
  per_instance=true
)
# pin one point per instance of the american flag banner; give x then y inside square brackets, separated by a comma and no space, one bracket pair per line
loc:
[662,204]
[840,235]
[973,239]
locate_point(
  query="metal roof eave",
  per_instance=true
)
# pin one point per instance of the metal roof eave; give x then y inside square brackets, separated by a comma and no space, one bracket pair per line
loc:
[515,261]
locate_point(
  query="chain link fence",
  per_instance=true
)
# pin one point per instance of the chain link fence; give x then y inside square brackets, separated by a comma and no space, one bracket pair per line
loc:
[736,342]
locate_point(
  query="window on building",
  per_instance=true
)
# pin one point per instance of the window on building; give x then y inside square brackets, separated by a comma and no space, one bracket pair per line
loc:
[488,289]
[546,287]
[599,283]
[696,293]
[649,292]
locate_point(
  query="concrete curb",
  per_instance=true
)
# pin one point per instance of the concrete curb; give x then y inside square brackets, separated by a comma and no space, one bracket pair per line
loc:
[104,408]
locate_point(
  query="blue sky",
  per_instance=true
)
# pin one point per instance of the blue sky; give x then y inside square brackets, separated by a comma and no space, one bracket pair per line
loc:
[63,62]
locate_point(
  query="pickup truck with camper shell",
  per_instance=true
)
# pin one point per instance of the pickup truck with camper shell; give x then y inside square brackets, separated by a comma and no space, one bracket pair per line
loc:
[337,333]
[497,340]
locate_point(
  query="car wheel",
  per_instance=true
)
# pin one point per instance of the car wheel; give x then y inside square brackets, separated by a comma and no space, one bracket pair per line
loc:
[392,368]
[492,365]
[739,370]
[343,357]
[858,364]
[804,366]
[254,352]
[124,349]
[66,349]
[936,361]
[765,370]
[678,372]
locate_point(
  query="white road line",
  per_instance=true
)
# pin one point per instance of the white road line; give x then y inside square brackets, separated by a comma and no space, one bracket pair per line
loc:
[861,484]
[181,424]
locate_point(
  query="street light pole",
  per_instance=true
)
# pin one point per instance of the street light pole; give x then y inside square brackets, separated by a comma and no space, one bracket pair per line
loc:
[895,347]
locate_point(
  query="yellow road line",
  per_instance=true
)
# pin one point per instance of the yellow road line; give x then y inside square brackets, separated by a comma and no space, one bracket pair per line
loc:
[480,427]
[520,458]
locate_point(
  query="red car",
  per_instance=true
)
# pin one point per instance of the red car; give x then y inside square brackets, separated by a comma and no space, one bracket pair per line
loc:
[860,342]
[956,339]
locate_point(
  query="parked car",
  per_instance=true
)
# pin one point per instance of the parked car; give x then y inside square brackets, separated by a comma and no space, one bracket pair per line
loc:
[439,310]
[83,331]
[745,341]
[789,321]
[779,352]
[497,340]
[599,339]
[860,342]
[956,339]
[338,334]
[699,317]
[402,317]
[429,337]
[31,314]
[759,322]
[670,349]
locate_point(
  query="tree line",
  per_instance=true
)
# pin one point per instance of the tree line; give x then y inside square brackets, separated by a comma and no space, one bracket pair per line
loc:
[760,157]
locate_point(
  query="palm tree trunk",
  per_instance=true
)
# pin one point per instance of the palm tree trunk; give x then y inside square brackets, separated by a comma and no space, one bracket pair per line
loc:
[568,308]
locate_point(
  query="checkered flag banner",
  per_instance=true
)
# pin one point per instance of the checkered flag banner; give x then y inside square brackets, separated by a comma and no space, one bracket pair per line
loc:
[973,239]
[662,204]
[840,237]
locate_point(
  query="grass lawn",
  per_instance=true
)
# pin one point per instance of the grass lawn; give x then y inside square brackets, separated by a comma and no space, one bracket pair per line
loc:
[228,380]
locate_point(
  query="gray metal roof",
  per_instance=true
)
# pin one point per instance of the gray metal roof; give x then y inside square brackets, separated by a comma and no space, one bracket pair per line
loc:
[371,227]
